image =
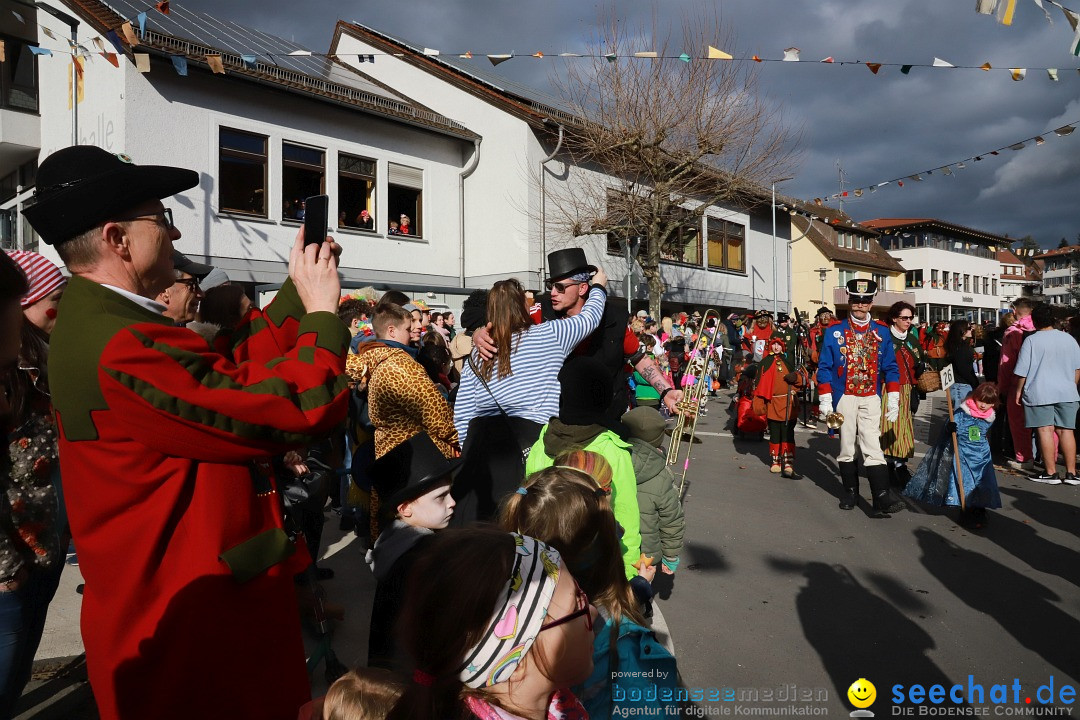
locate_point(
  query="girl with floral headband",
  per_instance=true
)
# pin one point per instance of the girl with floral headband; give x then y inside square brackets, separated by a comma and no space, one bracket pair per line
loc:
[505,644]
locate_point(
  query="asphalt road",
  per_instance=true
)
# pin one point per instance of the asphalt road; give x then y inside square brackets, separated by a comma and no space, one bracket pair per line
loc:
[782,596]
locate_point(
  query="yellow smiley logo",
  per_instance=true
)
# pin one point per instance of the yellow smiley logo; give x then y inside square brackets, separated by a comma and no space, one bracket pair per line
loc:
[862,693]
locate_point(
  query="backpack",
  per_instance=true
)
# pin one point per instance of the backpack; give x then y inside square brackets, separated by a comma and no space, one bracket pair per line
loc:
[638,673]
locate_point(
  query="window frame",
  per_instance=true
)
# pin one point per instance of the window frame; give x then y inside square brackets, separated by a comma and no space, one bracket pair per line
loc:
[372,200]
[417,217]
[296,164]
[244,155]
[721,226]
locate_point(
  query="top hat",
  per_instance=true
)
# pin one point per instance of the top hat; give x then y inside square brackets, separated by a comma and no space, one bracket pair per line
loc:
[821,311]
[782,317]
[81,186]
[564,263]
[410,470]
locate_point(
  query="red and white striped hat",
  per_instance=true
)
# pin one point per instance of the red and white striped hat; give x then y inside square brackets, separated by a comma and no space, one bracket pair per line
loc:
[41,273]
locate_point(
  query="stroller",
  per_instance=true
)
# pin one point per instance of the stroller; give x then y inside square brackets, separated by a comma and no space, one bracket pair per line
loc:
[746,423]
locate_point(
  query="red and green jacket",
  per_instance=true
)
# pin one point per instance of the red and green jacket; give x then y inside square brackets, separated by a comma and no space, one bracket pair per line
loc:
[189,607]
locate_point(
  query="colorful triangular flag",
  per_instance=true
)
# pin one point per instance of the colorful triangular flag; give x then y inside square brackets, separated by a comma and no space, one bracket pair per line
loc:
[1045,11]
[1052,72]
[539,55]
[39,50]
[685,58]
[163,7]
[1074,47]
[874,67]
[1039,140]
[1018,73]
[1064,130]
[985,66]
[429,51]
[142,62]
[300,53]
[115,40]
[644,54]
[496,59]
[111,57]
[48,33]
[985,7]
[129,34]
[947,170]
[216,66]
[466,55]
[828,59]
[717,54]
[938,62]
[610,57]
[1005,11]
[180,63]
[141,17]
[1018,146]
[791,54]
[905,69]
[249,61]
[99,45]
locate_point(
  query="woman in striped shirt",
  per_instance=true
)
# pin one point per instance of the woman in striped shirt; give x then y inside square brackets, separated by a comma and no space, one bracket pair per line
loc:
[503,403]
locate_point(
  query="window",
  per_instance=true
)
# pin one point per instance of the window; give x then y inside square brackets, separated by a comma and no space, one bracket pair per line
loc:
[18,76]
[933,278]
[986,286]
[684,245]
[303,171]
[405,195]
[839,239]
[993,284]
[883,282]
[967,283]
[945,279]
[727,244]
[241,172]
[356,192]
[843,276]
[912,278]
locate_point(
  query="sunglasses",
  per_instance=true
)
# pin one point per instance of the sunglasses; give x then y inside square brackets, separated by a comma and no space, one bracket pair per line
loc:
[904,317]
[583,608]
[192,283]
[162,218]
[562,286]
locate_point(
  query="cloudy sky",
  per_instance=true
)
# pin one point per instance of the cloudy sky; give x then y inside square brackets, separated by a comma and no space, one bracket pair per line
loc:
[877,127]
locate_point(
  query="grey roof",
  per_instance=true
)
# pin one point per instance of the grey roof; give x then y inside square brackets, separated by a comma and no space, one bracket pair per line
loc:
[231,37]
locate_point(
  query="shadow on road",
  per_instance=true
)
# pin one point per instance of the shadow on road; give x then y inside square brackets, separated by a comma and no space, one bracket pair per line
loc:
[858,634]
[1045,511]
[702,558]
[1021,606]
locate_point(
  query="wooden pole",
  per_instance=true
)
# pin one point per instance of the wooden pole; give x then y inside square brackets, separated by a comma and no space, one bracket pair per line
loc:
[956,453]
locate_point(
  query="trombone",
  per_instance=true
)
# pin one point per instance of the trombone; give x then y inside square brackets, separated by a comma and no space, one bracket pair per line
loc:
[690,404]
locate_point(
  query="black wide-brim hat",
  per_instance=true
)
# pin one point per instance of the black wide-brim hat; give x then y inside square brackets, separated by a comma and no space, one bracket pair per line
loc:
[410,470]
[81,186]
[821,311]
[564,263]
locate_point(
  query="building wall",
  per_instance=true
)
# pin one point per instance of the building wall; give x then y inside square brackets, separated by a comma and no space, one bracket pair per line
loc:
[927,259]
[807,290]
[498,195]
[162,118]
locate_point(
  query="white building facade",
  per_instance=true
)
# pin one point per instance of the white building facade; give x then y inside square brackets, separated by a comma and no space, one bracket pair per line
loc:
[953,271]
[1061,275]
[730,259]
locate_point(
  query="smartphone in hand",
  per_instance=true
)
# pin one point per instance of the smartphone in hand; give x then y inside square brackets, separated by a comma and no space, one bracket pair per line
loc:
[316,217]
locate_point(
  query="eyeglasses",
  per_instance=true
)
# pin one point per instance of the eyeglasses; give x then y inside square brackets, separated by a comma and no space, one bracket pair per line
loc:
[192,283]
[904,317]
[162,218]
[583,608]
[562,286]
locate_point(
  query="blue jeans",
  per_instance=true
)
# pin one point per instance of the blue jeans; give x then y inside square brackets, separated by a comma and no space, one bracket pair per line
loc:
[22,620]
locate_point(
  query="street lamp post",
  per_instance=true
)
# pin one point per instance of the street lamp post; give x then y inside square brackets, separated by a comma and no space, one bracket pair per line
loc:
[822,273]
[630,249]
[775,283]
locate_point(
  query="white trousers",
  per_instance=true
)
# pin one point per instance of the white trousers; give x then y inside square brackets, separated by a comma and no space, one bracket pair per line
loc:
[862,426]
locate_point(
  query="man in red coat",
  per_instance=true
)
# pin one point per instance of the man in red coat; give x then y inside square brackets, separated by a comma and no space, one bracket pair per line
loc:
[189,608]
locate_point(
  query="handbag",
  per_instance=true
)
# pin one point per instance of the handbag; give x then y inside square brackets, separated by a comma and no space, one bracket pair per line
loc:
[499,426]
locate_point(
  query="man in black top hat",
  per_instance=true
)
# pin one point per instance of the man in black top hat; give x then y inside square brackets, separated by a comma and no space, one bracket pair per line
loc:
[164,446]
[614,344]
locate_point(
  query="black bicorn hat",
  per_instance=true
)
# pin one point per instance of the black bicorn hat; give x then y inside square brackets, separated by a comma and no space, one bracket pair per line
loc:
[410,470]
[860,290]
[83,185]
[564,263]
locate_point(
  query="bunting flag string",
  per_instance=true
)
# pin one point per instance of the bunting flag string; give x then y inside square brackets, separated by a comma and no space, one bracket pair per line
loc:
[1005,9]
[952,167]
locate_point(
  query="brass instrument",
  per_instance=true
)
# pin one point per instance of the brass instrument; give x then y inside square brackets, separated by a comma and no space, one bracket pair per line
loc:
[834,420]
[690,405]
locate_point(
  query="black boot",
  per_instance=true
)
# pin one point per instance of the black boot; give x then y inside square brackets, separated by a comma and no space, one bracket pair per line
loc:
[849,478]
[903,476]
[884,501]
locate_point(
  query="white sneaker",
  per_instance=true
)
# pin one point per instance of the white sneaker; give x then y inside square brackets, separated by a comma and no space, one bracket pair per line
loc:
[1071,479]
[1046,479]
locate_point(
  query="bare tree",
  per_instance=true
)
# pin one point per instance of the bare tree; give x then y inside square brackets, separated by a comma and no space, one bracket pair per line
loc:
[668,138]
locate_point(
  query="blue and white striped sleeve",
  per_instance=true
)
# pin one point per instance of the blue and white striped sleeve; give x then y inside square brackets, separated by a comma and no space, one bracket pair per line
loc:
[570,331]
[465,402]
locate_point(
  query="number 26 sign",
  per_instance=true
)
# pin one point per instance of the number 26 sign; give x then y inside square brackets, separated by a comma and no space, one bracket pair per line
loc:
[947,377]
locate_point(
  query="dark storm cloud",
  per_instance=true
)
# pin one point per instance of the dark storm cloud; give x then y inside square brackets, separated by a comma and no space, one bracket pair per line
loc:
[878,127]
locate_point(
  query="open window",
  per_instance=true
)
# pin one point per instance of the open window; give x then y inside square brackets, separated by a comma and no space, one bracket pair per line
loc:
[303,174]
[356,192]
[405,200]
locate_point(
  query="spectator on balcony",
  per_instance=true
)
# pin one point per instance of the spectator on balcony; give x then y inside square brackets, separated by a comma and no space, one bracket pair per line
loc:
[405,225]
[364,220]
